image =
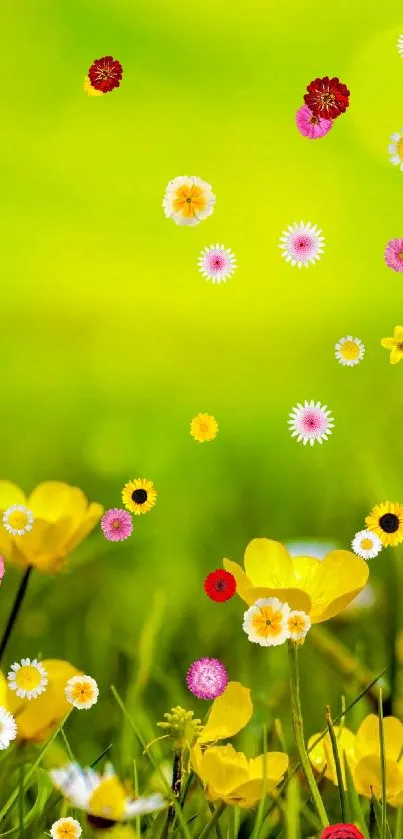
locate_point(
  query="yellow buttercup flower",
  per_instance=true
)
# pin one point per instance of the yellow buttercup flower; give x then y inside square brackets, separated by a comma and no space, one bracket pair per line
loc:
[204,428]
[139,496]
[62,519]
[395,345]
[386,521]
[36,720]
[320,588]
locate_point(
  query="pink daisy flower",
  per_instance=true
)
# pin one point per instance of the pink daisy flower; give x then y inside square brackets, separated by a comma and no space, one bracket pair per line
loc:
[116,525]
[394,254]
[310,422]
[207,678]
[302,244]
[217,263]
[311,126]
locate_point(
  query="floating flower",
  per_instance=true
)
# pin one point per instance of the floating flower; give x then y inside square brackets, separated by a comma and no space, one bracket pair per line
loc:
[28,679]
[105,74]
[266,622]
[366,544]
[116,525]
[207,678]
[229,776]
[349,351]
[38,720]
[88,88]
[312,126]
[204,428]
[395,345]
[102,797]
[400,45]
[302,244]
[217,263]
[298,625]
[220,585]
[394,255]
[386,521]
[67,828]
[18,520]
[395,149]
[311,422]
[341,831]
[82,692]
[8,728]
[139,496]
[188,200]
[327,98]
[319,587]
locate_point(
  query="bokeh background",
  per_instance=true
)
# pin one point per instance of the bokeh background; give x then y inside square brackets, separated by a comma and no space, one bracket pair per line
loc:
[112,341]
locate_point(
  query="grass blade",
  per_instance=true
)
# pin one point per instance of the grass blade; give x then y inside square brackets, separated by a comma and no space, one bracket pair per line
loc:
[354,801]
[259,817]
[383,765]
[378,810]
[399,824]
[293,809]
[213,821]
[339,774]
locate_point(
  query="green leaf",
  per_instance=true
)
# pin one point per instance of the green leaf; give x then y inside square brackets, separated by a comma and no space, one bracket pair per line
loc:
[383,766]
[340,782]
[378,810]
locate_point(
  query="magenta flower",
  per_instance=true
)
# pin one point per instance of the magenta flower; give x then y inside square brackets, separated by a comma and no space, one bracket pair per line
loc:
[116,525]
[207,678]
[394,254]
[311,126]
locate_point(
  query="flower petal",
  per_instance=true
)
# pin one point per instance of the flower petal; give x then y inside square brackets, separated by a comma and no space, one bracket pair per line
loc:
[53,500]
[224,769]
[230,713]
[341,576]
[388,343]
[295,598]
[242,582]
[268,564]
[92,517]
[10,494]
[398,333]
[367,777]
[367,739]
[273,765]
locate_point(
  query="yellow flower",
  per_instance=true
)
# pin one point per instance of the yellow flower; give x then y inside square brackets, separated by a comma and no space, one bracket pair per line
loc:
[139,496]
[36,720]
[386,520]
[66,829]
[204,428]
[320,588]
[395,345]
[63,518]
[90,89]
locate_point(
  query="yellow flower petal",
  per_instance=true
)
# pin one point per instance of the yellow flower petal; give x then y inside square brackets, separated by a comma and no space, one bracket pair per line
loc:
[248,794]
[340,577]
[224,769]
[388,343]
[396,355]
[242,582]
[295,598]
[367,738]
[230,713]
[322,754]
[93,516]
[10,494]
[273,765]
[53,500]
[398,333]
[268,564]
[367,778]
[36,719]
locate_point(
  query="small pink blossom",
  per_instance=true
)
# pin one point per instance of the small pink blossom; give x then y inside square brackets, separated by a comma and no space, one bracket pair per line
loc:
[394,254]
[207,678]
[116,525]
[311,126]
[2,568]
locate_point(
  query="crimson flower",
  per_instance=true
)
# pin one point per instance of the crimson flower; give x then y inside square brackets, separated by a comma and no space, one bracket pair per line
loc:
[105,74]
[327,98]
[341,831]
[220,585]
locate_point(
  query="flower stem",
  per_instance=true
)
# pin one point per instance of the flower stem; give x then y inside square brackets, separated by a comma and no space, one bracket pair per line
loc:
[176,789]
[299,732]
[15,610]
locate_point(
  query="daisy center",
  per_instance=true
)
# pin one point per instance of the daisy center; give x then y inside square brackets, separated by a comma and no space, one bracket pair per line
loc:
[366,544]
[82,691]
[28,677]
[18,520]
[139,496]
[389,523]
[108,799]
[350,351]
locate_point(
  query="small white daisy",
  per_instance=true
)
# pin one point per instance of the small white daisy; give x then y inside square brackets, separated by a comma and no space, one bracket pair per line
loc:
[8,728]
[395,149]
[302,244]
[82,692]
[299,623]
[310,422]
[366,544]
[349,351]
[266,622]
[188,200]
[217,263]
[67,828]
[18,520]
[400,45]
[28,679]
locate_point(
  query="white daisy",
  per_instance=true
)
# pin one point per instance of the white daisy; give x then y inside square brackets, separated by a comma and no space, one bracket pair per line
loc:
[299,623]
[67,828]
[366,544]
[217,263]
[18,520]
[82,692]
[28,679]
[266,622]
[188,200]
[395,149]
[310,422]
[349,351]
[400,45]
[8,728]
[302,244]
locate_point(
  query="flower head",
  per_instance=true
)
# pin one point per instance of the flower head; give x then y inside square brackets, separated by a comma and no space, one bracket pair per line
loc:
[386,521]
[37,720]
[188,200]
[204,428]
[366,544]
[67,828]
[349,351]
[394,255]
[298,625]
[311,422]
[395,149]
[207,678]
[327,98]
[217,263]
[88,88]
[116,525]
[395,344]
[105,74]
[8,728]
[341,831]
[82,692]
[28,679]
[18,520]
[182,727]
[220,585]
[312,126]
[266,622]
[229,776]
[139,496]
[302,244]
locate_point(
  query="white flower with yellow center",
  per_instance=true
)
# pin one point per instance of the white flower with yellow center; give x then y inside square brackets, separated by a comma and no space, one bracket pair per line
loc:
[82,692]
[18,520]
[400,45]
[188,200]
[395,149]
[366,544]
[8,728]
[102,796]
[266,622]
[28,679]
[349,351]
[66,829]
[299,623]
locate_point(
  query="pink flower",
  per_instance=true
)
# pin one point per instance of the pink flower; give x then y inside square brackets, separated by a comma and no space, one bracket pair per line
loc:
[310,422]
[311,126]
[207,678]
[116,525]
[394,254]
[2,568]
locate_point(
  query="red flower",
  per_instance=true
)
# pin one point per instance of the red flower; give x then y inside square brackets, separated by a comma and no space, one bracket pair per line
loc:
[105,74]
[327,98]
[341,831]
[220,585]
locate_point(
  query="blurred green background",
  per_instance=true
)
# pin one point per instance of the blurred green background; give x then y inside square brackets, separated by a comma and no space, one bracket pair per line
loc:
[112,341]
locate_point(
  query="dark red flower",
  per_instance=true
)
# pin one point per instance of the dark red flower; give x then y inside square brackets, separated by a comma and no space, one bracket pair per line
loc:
[341,831]
[220,585]
[105,74]
[327,98]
